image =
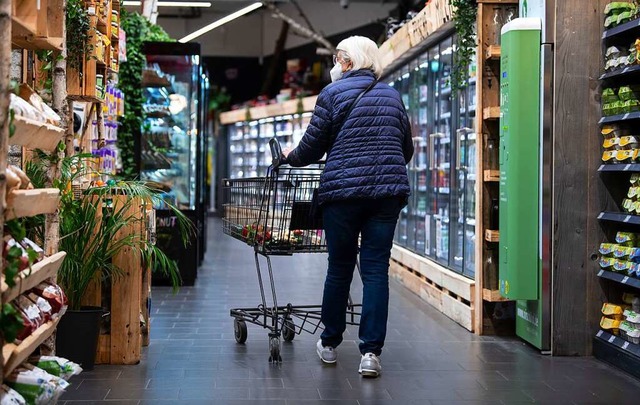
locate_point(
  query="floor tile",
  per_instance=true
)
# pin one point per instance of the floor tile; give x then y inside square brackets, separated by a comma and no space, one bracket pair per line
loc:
[193,358]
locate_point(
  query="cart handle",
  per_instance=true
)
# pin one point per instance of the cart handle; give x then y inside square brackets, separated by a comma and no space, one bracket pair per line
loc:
[277,158]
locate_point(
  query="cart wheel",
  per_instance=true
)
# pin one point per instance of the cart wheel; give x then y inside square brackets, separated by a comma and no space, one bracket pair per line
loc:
[274,350]
[240,330]
[288,330]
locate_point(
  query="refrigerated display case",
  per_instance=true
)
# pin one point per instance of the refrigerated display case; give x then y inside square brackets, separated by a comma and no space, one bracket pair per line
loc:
[170,146]
[439,220]
[249,154]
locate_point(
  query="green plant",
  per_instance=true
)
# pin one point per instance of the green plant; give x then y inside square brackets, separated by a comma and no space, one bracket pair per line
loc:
[464,18]
[138,30]
[79,30]
[90,226]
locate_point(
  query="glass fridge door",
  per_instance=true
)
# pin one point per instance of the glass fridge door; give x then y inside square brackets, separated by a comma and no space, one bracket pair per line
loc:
[441,139]
[421,129]
[405,235]
[169,144]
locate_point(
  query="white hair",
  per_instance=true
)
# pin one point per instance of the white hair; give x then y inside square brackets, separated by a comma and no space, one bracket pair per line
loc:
[362,52]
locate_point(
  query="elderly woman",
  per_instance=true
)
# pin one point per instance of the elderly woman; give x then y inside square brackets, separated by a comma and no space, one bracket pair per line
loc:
[362,126]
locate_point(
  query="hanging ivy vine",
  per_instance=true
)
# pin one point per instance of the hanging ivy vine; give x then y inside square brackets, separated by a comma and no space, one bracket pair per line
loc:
[79,28]
[464,17]
[138,30]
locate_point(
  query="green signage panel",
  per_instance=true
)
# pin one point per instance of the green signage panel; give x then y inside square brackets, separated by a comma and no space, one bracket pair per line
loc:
[519,266]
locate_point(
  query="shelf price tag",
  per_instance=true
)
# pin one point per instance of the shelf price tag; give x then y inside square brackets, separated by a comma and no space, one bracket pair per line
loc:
[611,338]
[626,219]
[627,167]
[625,279]
[600,215]
[625,345]
[600,273]
[599,333]
[625,116]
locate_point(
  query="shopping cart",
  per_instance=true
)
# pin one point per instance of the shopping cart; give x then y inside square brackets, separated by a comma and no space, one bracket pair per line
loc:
[274,215]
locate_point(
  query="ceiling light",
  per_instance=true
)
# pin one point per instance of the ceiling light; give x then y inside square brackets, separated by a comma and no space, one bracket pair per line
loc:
[221,21]
[173,3]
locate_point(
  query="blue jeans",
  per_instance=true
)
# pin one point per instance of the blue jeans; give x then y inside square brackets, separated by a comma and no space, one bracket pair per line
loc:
[344,221]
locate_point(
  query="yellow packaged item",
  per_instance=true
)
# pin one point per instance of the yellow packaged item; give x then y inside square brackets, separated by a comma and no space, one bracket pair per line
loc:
[621,252]
[610,324]
[607,262]
[608,130]
[609,309]
[627,204]
[606,249]
[609,155]
[610,143]
[622,265]
[628,142]
[626,238]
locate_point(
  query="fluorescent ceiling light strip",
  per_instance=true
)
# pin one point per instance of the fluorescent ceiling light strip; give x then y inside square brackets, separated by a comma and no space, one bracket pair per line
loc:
[205,4]
[221,21]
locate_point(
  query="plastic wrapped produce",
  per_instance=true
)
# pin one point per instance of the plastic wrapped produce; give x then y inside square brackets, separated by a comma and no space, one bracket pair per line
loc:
[9,396]
[36,385]
[54,295]
[57,366]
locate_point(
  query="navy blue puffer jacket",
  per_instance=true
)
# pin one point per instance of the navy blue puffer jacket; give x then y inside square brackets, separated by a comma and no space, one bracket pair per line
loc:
[369,155]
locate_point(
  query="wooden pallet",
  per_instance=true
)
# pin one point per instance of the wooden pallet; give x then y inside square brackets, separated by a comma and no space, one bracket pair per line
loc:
[36,135]
[29,278]
[27,203]
[13,355]
[491,175]
[451,293]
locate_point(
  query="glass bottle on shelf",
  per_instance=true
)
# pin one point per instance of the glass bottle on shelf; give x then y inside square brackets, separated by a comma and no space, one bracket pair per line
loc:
[491,153]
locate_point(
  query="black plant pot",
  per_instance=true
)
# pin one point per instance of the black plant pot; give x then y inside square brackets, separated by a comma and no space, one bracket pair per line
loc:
[77,336]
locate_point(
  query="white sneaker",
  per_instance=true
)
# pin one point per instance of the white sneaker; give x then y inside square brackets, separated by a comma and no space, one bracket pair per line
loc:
[370,365]
[327,354]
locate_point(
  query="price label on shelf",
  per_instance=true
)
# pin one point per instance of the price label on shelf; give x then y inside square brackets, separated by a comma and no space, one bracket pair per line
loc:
[600,273]
[625,279]
[626,167]
[612,338]
[600,215]
[626,219]
[625,345]
[625,116]
[599,333]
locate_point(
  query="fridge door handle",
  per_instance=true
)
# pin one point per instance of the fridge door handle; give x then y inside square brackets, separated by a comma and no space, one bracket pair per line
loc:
[459,133]
[432,150]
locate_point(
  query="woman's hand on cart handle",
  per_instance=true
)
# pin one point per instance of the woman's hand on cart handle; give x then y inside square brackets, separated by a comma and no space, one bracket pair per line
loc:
[278,157]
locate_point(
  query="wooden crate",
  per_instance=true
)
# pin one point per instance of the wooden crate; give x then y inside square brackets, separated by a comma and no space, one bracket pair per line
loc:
[451,293]
[127,300]
[35,30]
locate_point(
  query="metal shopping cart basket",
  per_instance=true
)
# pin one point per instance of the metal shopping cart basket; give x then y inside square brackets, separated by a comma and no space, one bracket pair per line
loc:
[273,214]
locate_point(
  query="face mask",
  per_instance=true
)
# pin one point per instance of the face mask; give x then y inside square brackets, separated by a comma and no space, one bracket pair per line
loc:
[336,73]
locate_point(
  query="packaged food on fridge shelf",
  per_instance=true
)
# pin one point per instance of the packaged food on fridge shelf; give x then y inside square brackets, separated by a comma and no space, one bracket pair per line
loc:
[9,396]
[610,324]
[609,95]
[628,142]
[608,156]
[626,238]
[621,266]
[609,309]
[632,316]
[607,262]
[611,143]
[621,252]
[606,249]
[57,366]
[36,385]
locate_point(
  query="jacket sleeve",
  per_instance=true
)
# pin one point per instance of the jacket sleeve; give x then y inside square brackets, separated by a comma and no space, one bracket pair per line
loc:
[407,144]
[315,142]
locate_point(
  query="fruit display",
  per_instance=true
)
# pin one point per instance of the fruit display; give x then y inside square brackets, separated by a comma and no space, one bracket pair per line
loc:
[619,12]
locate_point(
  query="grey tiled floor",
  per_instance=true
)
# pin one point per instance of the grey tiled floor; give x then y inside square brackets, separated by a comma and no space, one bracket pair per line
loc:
[428,359]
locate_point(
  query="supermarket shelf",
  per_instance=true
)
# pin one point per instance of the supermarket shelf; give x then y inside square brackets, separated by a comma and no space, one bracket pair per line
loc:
[442,190]
[29,278]
[493,296]
[620,168]
[619,278]
[617,351]
[14,355]
[620,117]
[491,236]
[619,73]
[621,29]
[491,113]
[493,52]
[27,203]
[620,217]
[36,135]
[151,78]
[491,175]
[102,25]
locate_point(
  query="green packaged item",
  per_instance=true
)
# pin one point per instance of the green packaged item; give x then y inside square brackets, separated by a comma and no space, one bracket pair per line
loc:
[56,366]
[617,107]
[631,106]
[628,93]
[624,17]
[606,249]
[609,96]
[617,7]
[627,204]
[607,109]
[36,385]
[625,238]
[9,396]
[611,21]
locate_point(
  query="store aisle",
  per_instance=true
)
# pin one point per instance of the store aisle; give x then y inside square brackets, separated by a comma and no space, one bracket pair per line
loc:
[428,359]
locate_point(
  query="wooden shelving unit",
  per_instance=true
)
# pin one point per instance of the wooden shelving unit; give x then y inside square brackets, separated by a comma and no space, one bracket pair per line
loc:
[34,25]
[14,355]
[36,135]
[29,278]
[488,123]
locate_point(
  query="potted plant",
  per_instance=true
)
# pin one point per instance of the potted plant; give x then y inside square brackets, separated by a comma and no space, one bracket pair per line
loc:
[89,234]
